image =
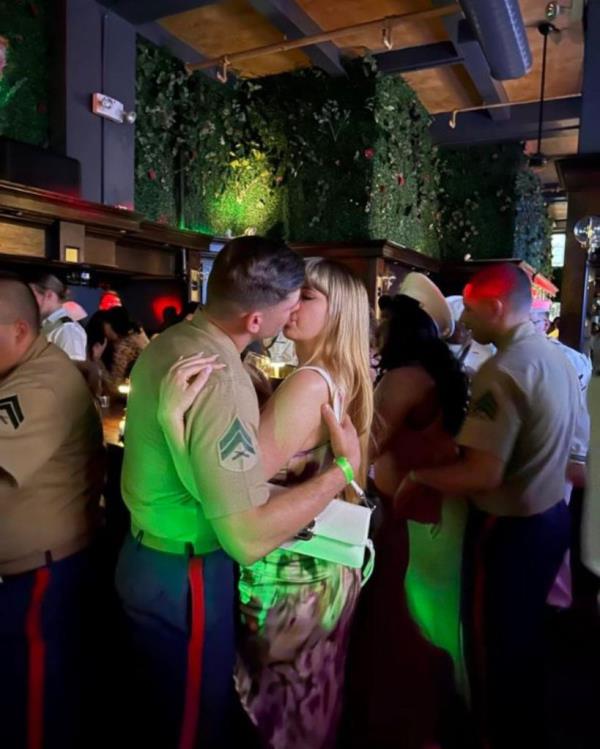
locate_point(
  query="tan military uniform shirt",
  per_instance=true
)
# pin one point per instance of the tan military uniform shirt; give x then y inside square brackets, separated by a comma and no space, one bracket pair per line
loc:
[221,436]
[524,404]
[51,460]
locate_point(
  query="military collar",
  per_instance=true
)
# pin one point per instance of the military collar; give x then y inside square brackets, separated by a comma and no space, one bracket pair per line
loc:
[518,333]
[37,348]
[201,322]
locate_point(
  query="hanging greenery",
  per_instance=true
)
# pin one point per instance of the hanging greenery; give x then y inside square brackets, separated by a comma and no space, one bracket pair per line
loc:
[24,57]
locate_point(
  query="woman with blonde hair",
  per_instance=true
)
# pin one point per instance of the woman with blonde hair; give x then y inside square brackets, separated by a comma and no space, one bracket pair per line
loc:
[296,610]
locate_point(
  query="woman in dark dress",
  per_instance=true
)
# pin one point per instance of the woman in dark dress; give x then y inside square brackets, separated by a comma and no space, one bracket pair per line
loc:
[399,684]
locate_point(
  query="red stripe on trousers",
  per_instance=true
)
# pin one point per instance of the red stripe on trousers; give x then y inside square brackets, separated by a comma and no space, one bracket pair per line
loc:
[37,652]
[479,616]
[191,711]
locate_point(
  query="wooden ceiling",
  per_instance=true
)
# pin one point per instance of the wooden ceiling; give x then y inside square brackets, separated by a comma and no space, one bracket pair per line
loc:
[222,27]
[228,26]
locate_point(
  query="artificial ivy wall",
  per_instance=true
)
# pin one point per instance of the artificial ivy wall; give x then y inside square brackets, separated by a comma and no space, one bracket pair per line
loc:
[312,158]
[491,206]
[300,155]
[24,53]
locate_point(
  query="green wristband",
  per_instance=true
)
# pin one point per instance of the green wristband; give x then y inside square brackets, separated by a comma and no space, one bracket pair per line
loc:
[346,468]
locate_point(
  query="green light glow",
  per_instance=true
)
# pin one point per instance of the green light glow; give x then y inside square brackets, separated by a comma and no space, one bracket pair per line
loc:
[432,583]
[248,200]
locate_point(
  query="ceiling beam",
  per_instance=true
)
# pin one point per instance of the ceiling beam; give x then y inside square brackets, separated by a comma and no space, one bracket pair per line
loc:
[476,128]
[157,34]
[144,11]
[289,18]
[461,35]
[410,59]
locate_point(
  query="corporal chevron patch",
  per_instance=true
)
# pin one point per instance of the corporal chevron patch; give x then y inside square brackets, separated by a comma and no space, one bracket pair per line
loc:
[485,407]
[236,448]
[11,411]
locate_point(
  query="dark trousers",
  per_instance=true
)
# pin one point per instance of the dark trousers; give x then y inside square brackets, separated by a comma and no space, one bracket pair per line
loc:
[180,618]
[509,567]
[44,656]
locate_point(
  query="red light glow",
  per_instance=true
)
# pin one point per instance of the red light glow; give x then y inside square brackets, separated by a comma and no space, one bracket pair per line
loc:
[109,300]
[160,304]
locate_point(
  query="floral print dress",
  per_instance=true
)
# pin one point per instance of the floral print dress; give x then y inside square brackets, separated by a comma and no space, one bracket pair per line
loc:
[295,615]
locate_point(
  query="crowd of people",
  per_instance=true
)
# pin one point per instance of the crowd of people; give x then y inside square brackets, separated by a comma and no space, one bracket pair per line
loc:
[457,419]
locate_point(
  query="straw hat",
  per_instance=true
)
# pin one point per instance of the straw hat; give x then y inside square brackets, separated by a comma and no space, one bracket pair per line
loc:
[419,287]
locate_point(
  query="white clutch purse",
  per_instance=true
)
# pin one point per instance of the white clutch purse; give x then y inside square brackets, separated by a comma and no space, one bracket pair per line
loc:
[339,534]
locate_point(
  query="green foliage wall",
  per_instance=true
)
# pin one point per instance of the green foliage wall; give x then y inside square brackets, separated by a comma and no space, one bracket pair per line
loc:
[492,206]
[24,81]
[302,156]
[311,158]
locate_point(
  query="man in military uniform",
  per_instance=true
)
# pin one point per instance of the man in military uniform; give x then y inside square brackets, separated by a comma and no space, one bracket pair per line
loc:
[514,447]
[190,523]
[57,325]
[50,478]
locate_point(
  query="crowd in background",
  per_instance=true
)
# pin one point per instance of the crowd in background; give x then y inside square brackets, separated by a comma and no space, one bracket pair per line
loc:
[464,423]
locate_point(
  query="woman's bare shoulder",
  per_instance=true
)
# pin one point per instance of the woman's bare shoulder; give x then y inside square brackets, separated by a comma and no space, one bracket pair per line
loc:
[305,384]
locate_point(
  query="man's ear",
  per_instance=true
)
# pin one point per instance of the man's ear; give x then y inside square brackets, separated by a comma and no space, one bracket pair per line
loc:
[495,308]
[22,330]
[253,322]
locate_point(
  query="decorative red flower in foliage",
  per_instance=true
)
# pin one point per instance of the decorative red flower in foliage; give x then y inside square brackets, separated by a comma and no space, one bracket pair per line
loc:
[151,174]
[42,107]
[33,9]
[162,219]
[368,153]
[381,188]
[400,179]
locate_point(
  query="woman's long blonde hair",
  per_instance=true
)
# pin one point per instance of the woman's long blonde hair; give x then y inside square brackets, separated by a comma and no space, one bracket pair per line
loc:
[343,348]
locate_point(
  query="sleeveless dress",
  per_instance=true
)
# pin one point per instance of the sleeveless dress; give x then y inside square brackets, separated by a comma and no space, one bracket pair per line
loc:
[295,620]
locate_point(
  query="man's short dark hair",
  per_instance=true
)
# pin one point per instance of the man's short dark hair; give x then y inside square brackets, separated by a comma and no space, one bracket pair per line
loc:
[253,273]
[18,302]
[504,281]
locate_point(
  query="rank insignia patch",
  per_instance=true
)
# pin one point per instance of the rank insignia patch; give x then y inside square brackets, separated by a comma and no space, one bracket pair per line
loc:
[11,412]
[485,407]
[236,448]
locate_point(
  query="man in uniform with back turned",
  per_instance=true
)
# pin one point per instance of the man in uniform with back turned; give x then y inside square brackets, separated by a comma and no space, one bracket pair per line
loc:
[51,469]
[514,447]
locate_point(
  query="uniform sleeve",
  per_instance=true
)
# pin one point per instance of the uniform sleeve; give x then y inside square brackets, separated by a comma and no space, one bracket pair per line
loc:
[31,428]
[493,421]
[581,436]
[222,438]
[71,338]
